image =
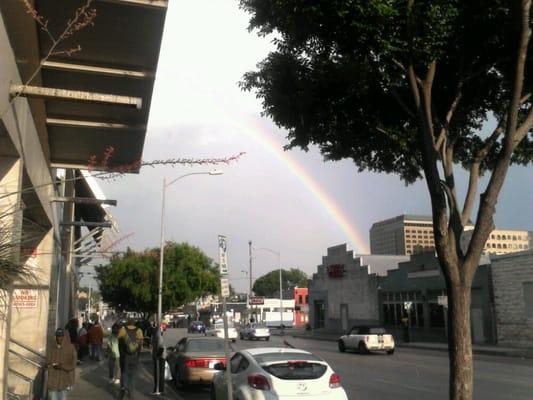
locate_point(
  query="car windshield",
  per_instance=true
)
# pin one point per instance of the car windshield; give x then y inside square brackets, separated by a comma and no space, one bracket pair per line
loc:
[204,345]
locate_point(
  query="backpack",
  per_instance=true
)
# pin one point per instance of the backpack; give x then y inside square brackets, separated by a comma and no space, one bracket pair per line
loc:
[130,341]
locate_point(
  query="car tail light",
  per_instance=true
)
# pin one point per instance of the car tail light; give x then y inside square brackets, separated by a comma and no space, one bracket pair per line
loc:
[334,381]
[203,362]
[258,381]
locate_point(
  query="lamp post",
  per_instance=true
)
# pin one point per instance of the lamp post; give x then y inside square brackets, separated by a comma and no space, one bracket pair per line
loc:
[162,248]
[278,254]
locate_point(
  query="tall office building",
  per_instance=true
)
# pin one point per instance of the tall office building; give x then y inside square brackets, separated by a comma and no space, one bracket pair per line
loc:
[404,234]
[412,234]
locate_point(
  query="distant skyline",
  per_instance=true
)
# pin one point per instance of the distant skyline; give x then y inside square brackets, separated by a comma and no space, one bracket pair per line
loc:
[291,202]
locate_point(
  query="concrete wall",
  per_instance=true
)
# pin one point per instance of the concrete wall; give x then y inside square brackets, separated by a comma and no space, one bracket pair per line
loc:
[509,272]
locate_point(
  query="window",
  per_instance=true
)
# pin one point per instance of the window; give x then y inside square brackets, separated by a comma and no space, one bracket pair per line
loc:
[436,315]
[492,236]
[300,299]
[514,237]
[527,287]
[498,237]
[306,299]
[235,362]
[505,245]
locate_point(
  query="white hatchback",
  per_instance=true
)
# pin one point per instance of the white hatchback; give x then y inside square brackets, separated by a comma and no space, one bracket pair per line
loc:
[272,373]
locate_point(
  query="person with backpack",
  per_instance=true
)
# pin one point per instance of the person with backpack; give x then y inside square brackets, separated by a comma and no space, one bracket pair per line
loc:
[130,345]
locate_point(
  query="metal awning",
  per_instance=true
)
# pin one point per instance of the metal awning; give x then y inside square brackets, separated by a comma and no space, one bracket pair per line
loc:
[118,57]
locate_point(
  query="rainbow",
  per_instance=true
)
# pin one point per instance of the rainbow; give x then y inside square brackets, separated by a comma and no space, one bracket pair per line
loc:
[268,142]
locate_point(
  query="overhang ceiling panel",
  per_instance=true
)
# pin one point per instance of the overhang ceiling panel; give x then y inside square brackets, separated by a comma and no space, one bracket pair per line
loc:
[127,145]
[123,34]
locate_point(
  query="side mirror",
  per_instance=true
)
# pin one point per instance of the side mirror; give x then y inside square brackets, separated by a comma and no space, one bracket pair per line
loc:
[171,348]
[220,366]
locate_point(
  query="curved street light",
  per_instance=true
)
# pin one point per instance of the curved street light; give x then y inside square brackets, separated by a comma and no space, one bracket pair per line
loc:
[162,247]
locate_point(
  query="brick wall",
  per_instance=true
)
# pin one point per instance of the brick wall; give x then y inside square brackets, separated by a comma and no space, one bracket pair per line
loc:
[509,273]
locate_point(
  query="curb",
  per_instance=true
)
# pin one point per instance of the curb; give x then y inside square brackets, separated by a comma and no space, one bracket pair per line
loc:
[489,352]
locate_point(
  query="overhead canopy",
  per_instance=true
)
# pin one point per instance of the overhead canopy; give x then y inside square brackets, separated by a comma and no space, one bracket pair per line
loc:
[118,56]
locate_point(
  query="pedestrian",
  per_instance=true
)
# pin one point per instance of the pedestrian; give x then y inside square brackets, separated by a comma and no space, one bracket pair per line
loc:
[83,342]
[96,339]
[130,345]
[60,362]
[72,330]
[158,359]
[113,355]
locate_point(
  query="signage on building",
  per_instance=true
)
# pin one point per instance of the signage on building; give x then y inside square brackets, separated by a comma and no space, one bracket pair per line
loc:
[336,270]
[257,301]
[25,298]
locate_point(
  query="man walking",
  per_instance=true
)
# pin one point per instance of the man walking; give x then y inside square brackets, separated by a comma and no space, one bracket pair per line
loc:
[130,344]
[61,362]
[96,338]
[158,358]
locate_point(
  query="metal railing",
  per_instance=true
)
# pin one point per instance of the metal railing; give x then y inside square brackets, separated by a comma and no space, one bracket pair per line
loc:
[31,381]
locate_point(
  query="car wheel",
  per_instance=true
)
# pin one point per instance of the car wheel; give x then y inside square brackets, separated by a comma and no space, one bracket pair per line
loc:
[342,346]
[390,352]
[362,348]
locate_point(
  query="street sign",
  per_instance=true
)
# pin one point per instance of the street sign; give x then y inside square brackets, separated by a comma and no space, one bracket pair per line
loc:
[25,298]
[222,255]
[257,301]
[443,301]
[407,305]
[224,287]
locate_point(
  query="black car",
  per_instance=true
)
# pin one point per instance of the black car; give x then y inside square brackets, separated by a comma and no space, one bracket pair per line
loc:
[196,327]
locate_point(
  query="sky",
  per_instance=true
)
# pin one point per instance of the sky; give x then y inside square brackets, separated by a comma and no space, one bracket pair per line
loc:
[290,202]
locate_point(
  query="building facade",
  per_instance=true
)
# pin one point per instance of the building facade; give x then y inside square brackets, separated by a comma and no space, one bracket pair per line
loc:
[301,307]
[512,275]
[420,284]
[402,235]
[56,114]
[343,291]
[413,234]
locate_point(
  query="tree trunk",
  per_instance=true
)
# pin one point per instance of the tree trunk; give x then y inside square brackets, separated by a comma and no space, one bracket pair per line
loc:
[460,341]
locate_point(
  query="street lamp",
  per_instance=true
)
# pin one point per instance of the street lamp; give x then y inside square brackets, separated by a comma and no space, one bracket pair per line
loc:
[277,253]
[162,248]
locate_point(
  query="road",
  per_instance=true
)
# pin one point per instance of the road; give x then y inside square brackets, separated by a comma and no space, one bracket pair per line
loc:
[408,374]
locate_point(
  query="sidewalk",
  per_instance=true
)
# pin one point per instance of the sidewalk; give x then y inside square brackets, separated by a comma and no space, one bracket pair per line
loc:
[492,350]
[92,383]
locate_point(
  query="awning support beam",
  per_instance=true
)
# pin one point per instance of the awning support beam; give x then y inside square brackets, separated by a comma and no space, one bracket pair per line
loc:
[92,69]
[88,224]
[84,200]
[73,95]
[162,4]
[75,123]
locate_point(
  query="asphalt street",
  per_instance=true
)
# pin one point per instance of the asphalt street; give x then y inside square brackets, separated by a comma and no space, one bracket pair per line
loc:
[408,374]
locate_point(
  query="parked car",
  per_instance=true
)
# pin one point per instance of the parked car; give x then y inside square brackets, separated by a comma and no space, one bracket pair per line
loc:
[277,374]
[365,339]
[193,360]
[196,327]
[217,330]
[255,331]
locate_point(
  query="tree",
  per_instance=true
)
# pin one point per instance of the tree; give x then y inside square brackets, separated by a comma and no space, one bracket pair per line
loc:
[268,284]
[130,281]
[407,87]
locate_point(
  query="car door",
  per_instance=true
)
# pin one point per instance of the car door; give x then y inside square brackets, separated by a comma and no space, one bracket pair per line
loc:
[239,374]
[351,339]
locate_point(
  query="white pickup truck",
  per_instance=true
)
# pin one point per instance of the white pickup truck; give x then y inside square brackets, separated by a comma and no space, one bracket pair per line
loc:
[365,339]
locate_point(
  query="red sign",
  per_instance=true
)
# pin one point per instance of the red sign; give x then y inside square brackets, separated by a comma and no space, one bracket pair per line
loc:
[336,271]
[257,301]
[25,298]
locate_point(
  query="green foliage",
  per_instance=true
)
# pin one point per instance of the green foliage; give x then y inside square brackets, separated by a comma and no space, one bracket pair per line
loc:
[268,284]
[338,76]
[130,281]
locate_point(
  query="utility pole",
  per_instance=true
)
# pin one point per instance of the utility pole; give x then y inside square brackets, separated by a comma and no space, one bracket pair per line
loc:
[250,275]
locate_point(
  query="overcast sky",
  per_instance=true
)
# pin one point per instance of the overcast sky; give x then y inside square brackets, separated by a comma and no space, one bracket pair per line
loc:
[279,201]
